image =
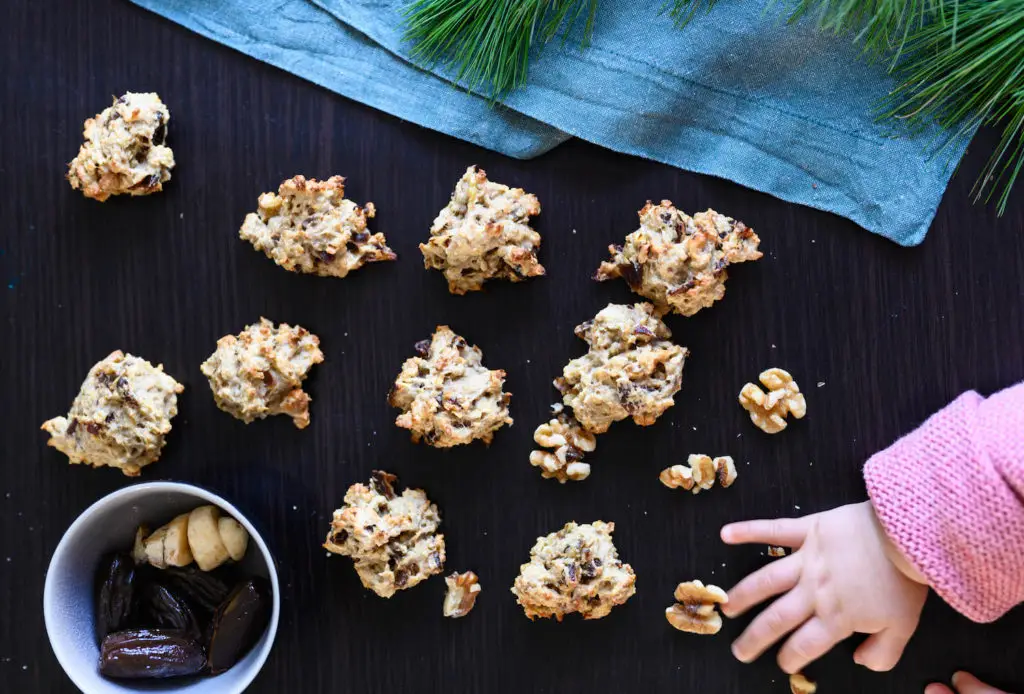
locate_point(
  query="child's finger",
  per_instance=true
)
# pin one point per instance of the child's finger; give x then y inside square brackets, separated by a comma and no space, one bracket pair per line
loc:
[781,617]
[811,641]
[769,581]
[880,652]
[938,689]
[784,532]
[967,683]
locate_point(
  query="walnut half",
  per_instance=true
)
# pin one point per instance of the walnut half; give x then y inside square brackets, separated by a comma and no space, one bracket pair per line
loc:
[694,610]
[569,442]
[701,473]
[768,411]
[798,684]
[463,589]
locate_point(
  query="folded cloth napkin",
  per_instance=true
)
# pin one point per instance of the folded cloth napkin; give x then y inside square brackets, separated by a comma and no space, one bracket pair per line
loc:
[738,93]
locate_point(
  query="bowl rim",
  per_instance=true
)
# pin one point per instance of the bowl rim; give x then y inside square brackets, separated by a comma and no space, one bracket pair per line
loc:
[49,619]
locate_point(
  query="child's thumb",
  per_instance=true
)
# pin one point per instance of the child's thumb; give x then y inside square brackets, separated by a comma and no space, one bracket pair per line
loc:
[967,683]
[881,651]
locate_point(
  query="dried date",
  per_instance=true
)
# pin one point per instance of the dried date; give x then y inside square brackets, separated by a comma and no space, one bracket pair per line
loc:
[150,654]
[238,623]
[117,594]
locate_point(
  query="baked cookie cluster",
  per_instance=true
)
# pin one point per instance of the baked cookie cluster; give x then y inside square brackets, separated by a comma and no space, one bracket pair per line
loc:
[576,569]
[124,151]
[259,372]
[120,417]
[446,394]
[392,538]
[483,234]
[679,262]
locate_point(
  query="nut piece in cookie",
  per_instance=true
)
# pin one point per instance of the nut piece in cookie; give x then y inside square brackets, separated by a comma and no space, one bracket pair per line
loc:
[631,369]
[447,396]
[694,610]
[463,589]
[798,684]
[569,443]
[484,233]
[576,569]
[392,538]
[259,372]
[677,261]
[119,417]
[309,226]
[700,472]
[768,411]
[124,150]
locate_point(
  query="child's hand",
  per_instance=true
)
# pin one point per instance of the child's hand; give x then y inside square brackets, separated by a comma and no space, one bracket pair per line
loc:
[846,577]
[965,684]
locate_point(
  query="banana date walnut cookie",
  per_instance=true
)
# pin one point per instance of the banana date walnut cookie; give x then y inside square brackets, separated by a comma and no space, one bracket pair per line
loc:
[309,226]
[124,150]
[631,369]
[391,538]
[446,394]
[484,233]
[576,569]
[120,417]
[677,261]
[260,371]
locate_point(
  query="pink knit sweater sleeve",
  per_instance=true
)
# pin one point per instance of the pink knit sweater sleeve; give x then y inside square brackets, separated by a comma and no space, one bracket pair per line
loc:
[951,496]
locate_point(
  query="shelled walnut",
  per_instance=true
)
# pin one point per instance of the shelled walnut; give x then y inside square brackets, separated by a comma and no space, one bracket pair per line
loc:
[701,473]
[463,589]
[694,610]
[569,442]
[774,551]
[768,411]
[798,684]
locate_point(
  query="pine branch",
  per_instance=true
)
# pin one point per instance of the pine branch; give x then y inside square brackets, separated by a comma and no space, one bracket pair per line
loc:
[882,26]
[682,12]
[488,42]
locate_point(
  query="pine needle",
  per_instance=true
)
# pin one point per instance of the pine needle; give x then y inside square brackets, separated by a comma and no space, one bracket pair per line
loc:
[683,11]
[487,42]
[881,26]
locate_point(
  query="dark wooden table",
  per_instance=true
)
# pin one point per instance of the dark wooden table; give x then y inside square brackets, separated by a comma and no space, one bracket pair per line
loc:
[878,336]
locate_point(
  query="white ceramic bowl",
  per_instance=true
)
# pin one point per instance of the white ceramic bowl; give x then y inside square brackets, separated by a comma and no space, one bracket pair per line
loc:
[109,525]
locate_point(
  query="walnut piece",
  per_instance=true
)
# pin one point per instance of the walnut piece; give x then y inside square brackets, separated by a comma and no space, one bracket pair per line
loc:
[768,411]
[309,226]
[576,569]
[392,539]
[260,371]
[463,589]
[774,551]
[798,684]
[699,473]
[694,610]
[446,394]
[677,261]
[569,441]
[484,233]
[630,370]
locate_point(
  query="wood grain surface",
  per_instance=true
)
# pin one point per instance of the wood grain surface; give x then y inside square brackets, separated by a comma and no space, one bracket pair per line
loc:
[878,336]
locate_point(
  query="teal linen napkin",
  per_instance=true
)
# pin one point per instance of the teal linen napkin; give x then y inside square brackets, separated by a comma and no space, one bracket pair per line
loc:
[739,94]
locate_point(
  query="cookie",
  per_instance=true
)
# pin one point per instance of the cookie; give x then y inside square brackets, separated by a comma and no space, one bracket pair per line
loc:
[447,396]
[391,538]
[677,261]
[120,417]
[124,151]
[576,569]
[259,372]
[631,369]
[484,233]
[308,226]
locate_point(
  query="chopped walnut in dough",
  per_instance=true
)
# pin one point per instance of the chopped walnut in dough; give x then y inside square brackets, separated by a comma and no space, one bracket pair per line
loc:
[484,233]
[798,684]
[260,372]
[576,569]
[463,589]
[677,261]
[309,226]
[392,539]
[700,472]
[774,551]
[631,369]
[694,610]
[768,411]
[120,417]
[569,442]
[124,150]
[446,394]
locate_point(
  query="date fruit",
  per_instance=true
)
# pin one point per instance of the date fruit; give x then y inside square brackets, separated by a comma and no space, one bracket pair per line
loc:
[238,623]
[117,594]
[202,589]
[169,611]
[150,653]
